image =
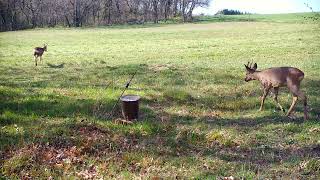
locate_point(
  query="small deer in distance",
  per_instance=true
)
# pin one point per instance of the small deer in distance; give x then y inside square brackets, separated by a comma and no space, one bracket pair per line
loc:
[273,78]
[38,52]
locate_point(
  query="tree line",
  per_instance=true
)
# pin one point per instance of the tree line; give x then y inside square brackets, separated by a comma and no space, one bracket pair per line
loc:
[22,14]
[230,12]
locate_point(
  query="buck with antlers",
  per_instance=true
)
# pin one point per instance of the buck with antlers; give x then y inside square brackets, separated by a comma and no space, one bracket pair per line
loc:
[273,78]
[38,52]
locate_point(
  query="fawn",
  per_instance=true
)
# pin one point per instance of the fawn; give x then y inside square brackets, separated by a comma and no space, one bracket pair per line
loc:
[276,77]
[38,52]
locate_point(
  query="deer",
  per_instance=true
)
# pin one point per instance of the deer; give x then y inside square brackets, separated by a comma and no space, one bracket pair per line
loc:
[38,52]
[273,79]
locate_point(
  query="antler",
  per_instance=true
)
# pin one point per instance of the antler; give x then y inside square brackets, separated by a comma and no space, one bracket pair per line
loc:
[249,65]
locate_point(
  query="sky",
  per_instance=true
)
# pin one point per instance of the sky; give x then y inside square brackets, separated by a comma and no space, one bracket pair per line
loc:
[261,6]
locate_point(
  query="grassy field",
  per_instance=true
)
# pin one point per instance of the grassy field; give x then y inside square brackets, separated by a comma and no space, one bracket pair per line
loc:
[198,118]
[301,18]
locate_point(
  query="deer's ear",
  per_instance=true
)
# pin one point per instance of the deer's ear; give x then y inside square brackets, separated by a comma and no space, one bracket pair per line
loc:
[255,66]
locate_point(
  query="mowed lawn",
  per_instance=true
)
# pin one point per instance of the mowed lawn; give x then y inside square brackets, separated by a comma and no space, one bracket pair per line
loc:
[198,117]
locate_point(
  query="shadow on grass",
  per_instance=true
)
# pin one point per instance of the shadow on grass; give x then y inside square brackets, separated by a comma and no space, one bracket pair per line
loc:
[54,105]
[56,66]
[154,138]
[34,104]
[155,77]
[312,90]
[58,107]
[240,122]
[157,133]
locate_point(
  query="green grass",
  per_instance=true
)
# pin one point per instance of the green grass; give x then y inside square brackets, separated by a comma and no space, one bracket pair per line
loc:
[198,118]
[280,18]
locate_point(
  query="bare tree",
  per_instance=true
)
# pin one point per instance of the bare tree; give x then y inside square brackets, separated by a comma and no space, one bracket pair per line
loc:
[20,14]
[188,6]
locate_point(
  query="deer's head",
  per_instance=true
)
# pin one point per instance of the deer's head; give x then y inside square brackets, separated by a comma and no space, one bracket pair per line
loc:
[250,70]
[45,47]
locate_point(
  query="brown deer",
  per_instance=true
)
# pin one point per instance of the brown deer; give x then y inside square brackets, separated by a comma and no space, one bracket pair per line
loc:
[38,52]
[273,78]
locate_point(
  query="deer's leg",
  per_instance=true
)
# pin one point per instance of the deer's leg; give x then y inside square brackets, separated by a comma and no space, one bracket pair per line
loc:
[265,94]
[40,58]
[276,91]
[304,99]
[294,102]
[297,93]
[35,60]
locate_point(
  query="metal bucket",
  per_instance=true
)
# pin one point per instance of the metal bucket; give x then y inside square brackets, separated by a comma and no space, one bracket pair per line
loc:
[130,107]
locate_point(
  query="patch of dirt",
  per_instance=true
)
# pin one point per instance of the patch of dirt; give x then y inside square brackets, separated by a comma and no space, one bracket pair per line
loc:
[50,155]
[91,132]
[59,153]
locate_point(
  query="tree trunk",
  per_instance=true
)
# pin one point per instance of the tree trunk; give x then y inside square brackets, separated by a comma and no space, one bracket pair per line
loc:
[166,9]
[189,14]
[67,20]
[118,9]
[76,18]
[109,11]
[183,10]
[145,11]
[175,8]
[155,11]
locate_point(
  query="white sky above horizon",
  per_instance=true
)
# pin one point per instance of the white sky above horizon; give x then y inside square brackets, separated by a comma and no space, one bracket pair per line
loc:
[260,6]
